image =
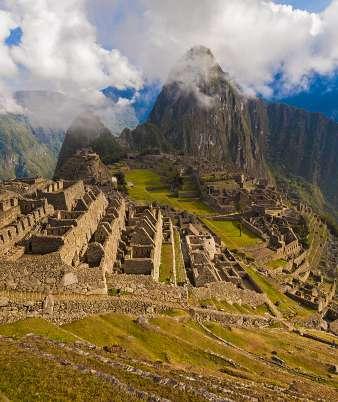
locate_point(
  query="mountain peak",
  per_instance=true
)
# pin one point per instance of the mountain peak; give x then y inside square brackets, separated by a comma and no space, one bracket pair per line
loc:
[197,65]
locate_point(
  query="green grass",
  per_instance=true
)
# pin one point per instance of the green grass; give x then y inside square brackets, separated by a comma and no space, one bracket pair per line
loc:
[37,326]
[276,263]
[24,376]
[229,232]
[234,308]
[166,267]
[174,339]
[181,275]
[148,186]
[156,343]
[285,305]
[298,352]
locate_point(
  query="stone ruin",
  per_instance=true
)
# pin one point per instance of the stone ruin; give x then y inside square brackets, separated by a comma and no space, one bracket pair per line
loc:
[311,294]
[143,241]
[275,231]
[230,193]
[207,260]
[71,228]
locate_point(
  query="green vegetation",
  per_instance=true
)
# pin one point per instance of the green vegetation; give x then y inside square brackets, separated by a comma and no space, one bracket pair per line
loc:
[32,157]
[235,308]
[108,148]
[231,234]
[36,326]
[166,343]
[166,267]
[25,376]
[285,305]
[295,351]
[181,276]
[276,263]
[318,234]
[148,186]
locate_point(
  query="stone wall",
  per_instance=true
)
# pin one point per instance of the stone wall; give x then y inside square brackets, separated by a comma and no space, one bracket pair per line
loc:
[65,310]
[227,291]
[108,235]
[35,273]
[71,241]
[23,225]
[144,286]
[64,197]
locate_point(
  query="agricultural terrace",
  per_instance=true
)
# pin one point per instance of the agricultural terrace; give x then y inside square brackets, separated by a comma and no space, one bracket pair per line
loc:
[148,186]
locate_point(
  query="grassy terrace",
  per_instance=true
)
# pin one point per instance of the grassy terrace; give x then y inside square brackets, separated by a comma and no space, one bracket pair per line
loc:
[285,305]
[148,186]
[276,264]
[235,308]
[166,267]
[173,339]
[230,233]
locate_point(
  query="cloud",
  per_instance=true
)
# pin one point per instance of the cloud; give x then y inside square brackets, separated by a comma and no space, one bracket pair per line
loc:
[254,40]
[59,51]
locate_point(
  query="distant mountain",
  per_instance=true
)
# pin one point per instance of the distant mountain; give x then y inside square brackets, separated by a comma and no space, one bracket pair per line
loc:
[22,153]
[88,132]
[145,138]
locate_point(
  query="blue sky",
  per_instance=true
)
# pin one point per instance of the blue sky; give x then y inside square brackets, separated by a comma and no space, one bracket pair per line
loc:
[135,43]
[309,5]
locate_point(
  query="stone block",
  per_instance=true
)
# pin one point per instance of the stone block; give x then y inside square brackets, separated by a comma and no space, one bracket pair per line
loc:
[4,301]
[69,279]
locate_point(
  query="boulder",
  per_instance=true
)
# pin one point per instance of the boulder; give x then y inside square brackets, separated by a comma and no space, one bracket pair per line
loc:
[334,327]
[4,301]
[48,305]
[69,279]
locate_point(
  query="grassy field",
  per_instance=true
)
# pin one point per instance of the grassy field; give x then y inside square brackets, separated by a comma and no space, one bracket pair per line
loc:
[37,326]
[285,305]
[149,187]
[234,308]
[166,343]
[294,350]
[229,232]
[276,264]
[166,267]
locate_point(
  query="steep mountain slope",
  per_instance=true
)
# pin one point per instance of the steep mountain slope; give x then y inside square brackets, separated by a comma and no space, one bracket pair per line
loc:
[201,112]
[21,153]
[306,145]
[146,137]
[87,131]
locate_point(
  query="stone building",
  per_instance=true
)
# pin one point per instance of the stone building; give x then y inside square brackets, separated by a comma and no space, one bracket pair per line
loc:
[144,236]
[64,237]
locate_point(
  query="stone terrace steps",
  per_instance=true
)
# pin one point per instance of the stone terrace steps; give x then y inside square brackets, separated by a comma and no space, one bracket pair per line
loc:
[151,381]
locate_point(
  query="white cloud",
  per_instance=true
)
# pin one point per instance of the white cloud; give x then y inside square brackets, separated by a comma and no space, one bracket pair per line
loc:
[59,51]
[252,39]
